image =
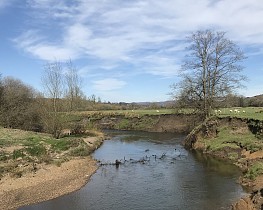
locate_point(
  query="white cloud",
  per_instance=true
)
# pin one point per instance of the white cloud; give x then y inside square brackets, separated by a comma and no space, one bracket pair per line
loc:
[51,53]
[108,84]
[33,43]
[131,32]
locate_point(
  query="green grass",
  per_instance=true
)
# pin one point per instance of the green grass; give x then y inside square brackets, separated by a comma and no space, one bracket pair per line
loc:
[36,150]
[227,137]
[135,112]
[255,170]
[26,148]
[18,153]
[249,112]
[34,144]
[244,112]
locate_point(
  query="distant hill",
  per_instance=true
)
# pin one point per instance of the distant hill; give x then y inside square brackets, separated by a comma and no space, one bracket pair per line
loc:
[159,103]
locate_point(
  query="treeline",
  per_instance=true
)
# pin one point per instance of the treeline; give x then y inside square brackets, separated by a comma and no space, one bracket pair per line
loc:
[255,101]
[23,107]
[230,100]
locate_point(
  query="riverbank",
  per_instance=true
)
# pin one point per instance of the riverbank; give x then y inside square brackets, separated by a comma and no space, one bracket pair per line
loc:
[238,141]
[35,167]
[174,123]
[48,182]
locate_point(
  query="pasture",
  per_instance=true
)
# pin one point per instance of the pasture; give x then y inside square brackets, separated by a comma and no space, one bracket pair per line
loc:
[135,112]
[241,112]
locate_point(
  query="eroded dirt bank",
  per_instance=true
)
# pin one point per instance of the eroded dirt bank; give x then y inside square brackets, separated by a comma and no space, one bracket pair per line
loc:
[239,141]
[178,123]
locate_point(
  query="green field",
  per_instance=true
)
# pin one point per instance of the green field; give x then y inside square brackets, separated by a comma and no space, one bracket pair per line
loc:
[135,112]
[244,112]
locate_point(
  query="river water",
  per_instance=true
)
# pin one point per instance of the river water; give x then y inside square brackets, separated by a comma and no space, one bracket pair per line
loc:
[157,173]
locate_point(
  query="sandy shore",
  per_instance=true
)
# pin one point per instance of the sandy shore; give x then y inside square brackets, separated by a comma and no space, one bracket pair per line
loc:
[50,181]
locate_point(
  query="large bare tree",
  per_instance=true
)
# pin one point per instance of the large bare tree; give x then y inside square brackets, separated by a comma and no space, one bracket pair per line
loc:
[211,70]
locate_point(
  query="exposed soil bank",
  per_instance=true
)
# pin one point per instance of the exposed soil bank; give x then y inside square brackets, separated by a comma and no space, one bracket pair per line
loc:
[239,141]
[178,123]
[48,181]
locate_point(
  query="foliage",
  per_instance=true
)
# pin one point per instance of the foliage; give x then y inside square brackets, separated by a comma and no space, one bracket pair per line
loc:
[17,106]
[124,124]
[36,150]
[18,153]
[255,170]
[3,156]
[80,151]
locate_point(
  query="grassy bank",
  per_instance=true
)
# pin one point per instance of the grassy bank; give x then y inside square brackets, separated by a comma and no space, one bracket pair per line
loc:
[240,141]
[22,151]
[235,139]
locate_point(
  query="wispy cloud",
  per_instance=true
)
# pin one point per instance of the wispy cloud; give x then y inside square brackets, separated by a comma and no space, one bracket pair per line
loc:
[145,34]
[108,84]
[35,44]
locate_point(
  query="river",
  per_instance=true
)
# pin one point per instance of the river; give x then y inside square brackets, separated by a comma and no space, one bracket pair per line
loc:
[156,173]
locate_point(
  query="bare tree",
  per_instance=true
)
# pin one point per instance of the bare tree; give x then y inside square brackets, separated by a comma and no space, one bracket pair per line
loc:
[211,69]
[52,81]
[73,89]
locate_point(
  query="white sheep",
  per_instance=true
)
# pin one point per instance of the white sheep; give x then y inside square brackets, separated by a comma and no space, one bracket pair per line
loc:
[157,111]
[218,111]
[230,110]
[244,111]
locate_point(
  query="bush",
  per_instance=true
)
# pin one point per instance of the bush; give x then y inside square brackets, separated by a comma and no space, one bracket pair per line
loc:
[36,150]
[18,153]
[80,151]
[61,145]
[3,156]
[78,128]
[255,170]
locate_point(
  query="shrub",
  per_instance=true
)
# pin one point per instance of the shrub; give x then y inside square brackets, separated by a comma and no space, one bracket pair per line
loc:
[36,150]
[80,151]
[3,156]
[18,153]
[255,170]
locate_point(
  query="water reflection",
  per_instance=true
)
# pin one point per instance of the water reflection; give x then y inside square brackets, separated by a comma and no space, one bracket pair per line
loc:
[212,164]
[185,181]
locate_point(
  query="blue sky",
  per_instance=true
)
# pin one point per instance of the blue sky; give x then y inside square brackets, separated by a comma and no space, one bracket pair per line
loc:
[124,50]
